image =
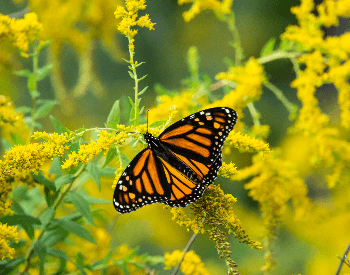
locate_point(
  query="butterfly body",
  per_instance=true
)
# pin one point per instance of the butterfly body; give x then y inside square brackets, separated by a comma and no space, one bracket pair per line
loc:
[176,166]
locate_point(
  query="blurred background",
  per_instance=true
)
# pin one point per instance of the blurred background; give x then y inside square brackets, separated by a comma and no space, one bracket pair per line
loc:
[164,50]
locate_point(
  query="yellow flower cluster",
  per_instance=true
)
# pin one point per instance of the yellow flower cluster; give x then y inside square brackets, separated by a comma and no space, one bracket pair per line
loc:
[227,170]
[95,16]
[198,6]
[20,32]
[129,17]
[56,143]
[274,183]
[324,54]
[248,80]
[191,264]
[7,114]
[88,151]
[246,143]
[7,233]
[184,103]
[326,61]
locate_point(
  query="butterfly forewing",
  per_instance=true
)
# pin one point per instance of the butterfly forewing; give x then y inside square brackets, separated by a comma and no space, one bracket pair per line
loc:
[200,136]
[175,168]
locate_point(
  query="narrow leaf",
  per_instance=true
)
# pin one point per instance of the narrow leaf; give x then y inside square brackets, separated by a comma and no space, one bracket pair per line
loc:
[55,168]
[131,75]
[157,123]
[42,179]
[64,180]
[25,73]
[268,47]
[54,252]
[111,154]
[114,114]
[31,83]
[82,205]
[43,72]
[143,90]
[107,171]
[47,216]
[94,172]
[45,109]
[59,127]
[23,110]
[76,229]
[40,250]
[16,140]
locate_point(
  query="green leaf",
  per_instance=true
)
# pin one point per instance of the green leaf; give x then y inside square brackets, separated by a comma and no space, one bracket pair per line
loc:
[55,168]
[6,144]
[59,128]
[19,219]
[79,259]
[76,229]
[82,205]
[143,90]
[45,109]
[64,180]
[40,250]
[50,199]
[114,115]
[47,216]
[54,235]
[131,75]
[23,110]
[107,171]
[157,123]
[31,83]
[142,77]
[43,72]
[268,47]
[94,172]
[42,179]
[8,266]
[16,140]
[34,94]
[93,200]
[111,154]
[25,73]
[141,110]
[56,253]
[45,45]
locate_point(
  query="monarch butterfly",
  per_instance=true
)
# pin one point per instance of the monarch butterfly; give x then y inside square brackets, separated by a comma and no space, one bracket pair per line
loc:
[176,166]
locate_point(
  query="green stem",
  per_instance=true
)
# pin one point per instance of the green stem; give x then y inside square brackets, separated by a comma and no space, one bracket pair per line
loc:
[30,251]
[136,88]
[34,91]
[292,108]
[237,45]
[255,114]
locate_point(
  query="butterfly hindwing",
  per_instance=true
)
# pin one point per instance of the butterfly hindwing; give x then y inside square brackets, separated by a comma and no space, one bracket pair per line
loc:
[143,182]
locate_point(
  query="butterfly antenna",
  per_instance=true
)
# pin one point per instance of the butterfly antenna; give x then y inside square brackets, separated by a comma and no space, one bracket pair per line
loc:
[147,120]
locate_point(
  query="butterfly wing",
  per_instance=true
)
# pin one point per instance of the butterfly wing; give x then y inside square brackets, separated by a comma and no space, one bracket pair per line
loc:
[143,182]
[200,136]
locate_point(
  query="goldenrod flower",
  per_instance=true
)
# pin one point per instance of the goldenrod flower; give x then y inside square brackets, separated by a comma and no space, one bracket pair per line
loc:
[88,152]
[21,32]
[246,143]
[7,233]
[191,264]
[129,19]
[198,6]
